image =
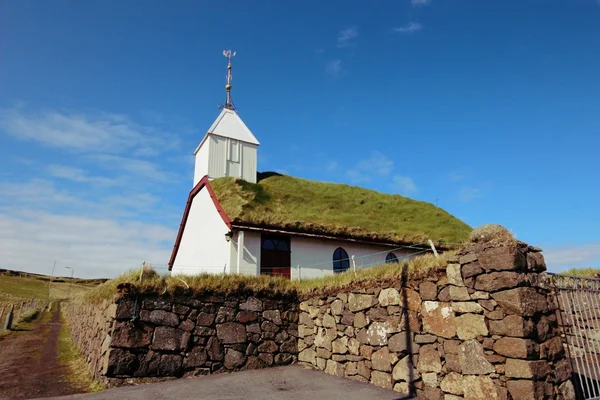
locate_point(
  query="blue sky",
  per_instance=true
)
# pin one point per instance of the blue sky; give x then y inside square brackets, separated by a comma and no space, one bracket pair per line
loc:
[490,109]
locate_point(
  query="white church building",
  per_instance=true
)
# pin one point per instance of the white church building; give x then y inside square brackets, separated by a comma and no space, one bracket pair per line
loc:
[217,239]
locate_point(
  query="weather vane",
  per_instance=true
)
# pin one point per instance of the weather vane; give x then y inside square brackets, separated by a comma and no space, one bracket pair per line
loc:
[229,55]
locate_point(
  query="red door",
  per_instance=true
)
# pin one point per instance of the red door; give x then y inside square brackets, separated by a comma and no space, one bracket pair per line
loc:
[275,256]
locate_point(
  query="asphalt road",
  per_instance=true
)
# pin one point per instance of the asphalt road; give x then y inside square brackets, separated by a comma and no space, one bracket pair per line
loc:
[291,383]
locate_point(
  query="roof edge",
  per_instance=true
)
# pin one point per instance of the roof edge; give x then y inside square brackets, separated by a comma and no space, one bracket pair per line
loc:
[204,182]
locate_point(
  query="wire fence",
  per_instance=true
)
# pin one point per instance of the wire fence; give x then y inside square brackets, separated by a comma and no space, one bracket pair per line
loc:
[14,313]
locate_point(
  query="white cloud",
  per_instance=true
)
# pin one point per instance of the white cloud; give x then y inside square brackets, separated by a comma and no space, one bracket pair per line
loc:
[76,174]
[85,132]
[580,256]
[376,165]
[138,169]
[404,184]
[467,194]
[417,3]
[410,27]
[334,68]
[345,36]
[331,166]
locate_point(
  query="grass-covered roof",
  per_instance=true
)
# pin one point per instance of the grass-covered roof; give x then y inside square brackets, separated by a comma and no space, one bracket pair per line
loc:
[300,205]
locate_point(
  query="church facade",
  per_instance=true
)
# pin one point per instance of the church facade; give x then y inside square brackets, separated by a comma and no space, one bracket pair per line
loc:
[216,235]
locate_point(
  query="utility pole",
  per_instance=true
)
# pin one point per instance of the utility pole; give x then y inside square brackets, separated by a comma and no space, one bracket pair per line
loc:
[69,284]
[51,279]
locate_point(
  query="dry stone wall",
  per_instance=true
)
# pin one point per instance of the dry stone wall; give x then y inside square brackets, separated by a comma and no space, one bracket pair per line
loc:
[483,328]
[164,337]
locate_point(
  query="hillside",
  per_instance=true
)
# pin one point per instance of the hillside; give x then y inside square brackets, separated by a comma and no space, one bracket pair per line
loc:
[294,204]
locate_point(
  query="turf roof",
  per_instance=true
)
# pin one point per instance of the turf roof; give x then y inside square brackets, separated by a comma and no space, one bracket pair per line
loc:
[301,205]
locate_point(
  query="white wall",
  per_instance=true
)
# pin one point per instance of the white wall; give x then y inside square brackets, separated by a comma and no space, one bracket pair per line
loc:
[249,162]
[217,160]
[201,162]
[308,252]
[203,247]
[251,255]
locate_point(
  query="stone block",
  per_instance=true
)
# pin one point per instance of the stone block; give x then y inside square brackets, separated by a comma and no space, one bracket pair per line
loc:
[516,347]
[428,290]
[458,293]
[170,365]
[168,339]
[348,318]
[337,307]
[567,391]
[495,281]
[512,325]
[381,360]
[205,319]
[454,275]
[354,346]
[323,353]
[452,383]
[552,349]
[235,359]
[340,346]
[523,369]
[479,387]
[505,258]
[284,359]
[359,302]
[366,351]
[478,295]
[289,346]
[160,317]
[438,319]
[429,393]
[402,388]
[471,269]
[121,363]
[469,326]
[181,309]
[535,262]
[329,321]
[125,309]
[273,316]
[410,299]
[467,258]
[132,336]
[526,389]
[425,339]
[268,326]
[334,368]
[399,343]
[389,297]
[360,321]
[268,346]
[249,316]
[214,349]
[308,355]
[195,358]
[429,359]
[472,359]
[451,346]
[381,379]
[252,304]
[404,370]
[377,333]
[466,307]
[363,369]
[156,304]
[430,379]
[523,301]
[187,325]
[453,363]
[324,337]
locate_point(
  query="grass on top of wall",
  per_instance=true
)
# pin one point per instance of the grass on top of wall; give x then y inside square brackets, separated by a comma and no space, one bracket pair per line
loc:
[583,272]
[185,285]
[294,204]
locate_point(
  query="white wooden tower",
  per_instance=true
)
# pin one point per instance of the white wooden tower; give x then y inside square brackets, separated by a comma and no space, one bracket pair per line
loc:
[229,148]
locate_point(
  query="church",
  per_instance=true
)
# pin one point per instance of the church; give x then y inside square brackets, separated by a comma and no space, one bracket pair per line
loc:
[239,221]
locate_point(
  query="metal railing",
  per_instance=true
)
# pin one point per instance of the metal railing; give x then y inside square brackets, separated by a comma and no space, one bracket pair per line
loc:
[578,300]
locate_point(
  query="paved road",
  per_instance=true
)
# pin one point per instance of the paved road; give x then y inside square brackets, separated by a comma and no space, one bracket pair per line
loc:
[291,383]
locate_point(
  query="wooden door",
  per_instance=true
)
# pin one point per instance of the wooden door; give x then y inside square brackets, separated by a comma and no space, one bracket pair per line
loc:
[275,256]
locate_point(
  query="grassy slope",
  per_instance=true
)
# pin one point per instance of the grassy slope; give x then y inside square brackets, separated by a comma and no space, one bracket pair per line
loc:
[239,284]
[584,272]
[18,288]
[318,207]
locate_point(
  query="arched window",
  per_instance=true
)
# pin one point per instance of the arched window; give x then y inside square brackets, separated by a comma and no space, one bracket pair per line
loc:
[391,258]
[340,260]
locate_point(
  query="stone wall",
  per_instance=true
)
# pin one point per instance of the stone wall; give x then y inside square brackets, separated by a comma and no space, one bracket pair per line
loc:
[91,326]
[482,328]
[170,337]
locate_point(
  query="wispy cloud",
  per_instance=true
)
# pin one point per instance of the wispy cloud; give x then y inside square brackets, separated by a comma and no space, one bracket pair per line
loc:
[334,68]
[418,3]
[467,194]
[410,27]
[376,165]
[404,184]
[346,36]
[85,132]
[560,258]
[76,174]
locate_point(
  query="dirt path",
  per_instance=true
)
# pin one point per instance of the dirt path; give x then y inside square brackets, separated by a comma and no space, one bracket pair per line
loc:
[29,364]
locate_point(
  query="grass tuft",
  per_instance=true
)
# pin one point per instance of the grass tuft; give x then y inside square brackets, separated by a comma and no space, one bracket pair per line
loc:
[583,272]
[295,204]
[70,356]
[186,285]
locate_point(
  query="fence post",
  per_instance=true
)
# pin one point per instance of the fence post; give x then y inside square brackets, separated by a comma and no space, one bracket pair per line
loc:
[2,314]
[9,318]
[20,310]
[299,273]
[433,248]
[354,265]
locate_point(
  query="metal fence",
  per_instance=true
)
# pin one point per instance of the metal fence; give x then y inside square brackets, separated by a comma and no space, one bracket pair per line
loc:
[578,300]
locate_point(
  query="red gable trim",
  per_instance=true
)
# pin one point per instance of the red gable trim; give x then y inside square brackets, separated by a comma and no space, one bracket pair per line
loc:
[204,182]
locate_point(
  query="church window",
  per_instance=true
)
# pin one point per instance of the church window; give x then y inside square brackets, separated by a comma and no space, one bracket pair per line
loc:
[234,151]
[341,262]
[391,258]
